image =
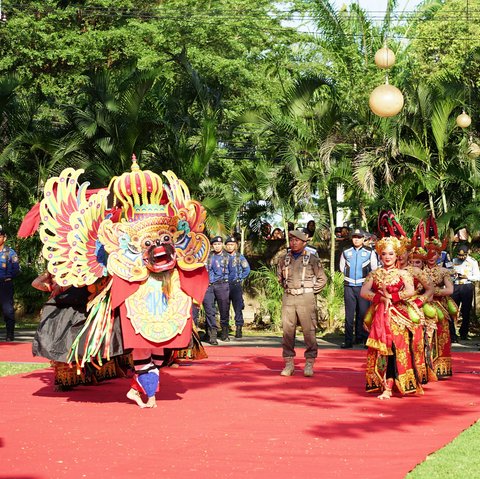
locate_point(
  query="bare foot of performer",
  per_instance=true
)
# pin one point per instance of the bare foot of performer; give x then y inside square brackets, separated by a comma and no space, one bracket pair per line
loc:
[387,394]
[151,402]
[134,395]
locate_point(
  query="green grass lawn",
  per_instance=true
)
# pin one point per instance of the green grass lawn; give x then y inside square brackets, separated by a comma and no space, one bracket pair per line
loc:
[9,369]
[457,460]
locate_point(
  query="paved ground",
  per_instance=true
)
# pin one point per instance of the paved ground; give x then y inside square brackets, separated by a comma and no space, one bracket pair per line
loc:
[260,340]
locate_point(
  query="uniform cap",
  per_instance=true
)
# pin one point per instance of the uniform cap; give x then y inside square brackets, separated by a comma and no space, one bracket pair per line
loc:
[359,233]
[216,239]
[462,250]
[298,234]
[230,239]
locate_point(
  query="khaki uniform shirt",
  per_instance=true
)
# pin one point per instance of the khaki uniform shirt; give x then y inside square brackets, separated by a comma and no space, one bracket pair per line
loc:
[314,277]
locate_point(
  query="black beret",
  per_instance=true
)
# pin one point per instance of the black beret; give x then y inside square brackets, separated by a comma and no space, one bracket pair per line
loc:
[216,239]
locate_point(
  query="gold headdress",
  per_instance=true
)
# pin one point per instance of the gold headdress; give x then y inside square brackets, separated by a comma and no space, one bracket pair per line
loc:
[388,241]
[417,252]
[405,245]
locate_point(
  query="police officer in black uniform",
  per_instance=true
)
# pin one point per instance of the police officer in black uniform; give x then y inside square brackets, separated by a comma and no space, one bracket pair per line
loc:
[9,269]
[240,270]
[219,267]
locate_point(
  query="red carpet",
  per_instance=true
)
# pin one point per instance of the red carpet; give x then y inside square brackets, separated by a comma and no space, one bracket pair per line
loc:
[230,416]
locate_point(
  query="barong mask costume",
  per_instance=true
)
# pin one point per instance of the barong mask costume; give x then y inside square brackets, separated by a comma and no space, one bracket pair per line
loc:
[149,247]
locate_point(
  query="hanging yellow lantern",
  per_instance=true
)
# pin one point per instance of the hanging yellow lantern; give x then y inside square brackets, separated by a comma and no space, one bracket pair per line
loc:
[386,100]
[473,150]
[463,120]
[384,58]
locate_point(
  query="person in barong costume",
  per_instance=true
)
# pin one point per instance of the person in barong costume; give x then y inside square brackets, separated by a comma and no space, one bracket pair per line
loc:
[152,252]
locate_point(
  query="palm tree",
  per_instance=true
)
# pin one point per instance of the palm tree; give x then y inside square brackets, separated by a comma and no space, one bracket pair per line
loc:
[109,122]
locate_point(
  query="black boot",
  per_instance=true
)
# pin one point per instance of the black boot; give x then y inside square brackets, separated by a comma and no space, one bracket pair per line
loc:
[224,335]
[10,327]
[213,336]
[238,332]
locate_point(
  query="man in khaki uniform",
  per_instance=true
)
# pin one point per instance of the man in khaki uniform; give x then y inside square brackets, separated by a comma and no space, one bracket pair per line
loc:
[301,274]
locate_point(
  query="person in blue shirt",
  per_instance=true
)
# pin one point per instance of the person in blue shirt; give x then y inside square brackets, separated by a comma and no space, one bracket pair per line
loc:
[240,271]
[355,264]
[9,269]
[219,267]
[444,260]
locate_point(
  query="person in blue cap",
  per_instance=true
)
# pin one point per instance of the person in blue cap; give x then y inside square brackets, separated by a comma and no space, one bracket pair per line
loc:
[219,267]
[9,269]
[240,271]
[355,264]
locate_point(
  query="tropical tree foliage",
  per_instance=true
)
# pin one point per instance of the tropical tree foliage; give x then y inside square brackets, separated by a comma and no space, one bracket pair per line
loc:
[258,117]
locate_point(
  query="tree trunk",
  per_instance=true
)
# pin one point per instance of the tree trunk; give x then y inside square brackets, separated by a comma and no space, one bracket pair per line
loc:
[363,215]
[432,207]
[331,287]
[444,202]
[242,239]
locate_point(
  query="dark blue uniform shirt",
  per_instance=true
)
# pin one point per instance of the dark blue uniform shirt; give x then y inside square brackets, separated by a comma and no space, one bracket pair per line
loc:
[219,267]
[9,265]
[240,268]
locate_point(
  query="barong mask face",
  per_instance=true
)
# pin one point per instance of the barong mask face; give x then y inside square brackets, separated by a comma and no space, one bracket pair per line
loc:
[160,254]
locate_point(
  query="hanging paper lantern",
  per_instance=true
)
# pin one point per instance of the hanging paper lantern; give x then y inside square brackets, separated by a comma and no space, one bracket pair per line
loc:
[473,150]
[384,58]
[463,120]
[386,100]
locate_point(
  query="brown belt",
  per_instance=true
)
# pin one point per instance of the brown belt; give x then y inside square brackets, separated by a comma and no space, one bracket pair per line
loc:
[298,291]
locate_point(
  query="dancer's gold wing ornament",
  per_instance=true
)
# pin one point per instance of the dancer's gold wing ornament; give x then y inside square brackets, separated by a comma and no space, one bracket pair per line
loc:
[69,230]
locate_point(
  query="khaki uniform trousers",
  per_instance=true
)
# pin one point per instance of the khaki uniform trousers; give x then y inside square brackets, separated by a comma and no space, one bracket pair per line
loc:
[301,309]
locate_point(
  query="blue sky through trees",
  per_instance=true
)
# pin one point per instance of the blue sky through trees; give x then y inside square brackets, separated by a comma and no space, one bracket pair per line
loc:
[379,6]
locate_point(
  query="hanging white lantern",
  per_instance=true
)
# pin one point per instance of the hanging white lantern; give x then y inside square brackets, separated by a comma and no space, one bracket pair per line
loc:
[384,58]
[463,120]
[473,150]
[386,100]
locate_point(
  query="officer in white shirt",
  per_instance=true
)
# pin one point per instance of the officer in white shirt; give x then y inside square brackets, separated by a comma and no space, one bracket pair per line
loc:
[466,272]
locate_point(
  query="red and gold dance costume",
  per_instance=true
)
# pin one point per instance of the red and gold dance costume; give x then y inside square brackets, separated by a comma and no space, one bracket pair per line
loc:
[68,376]
[419,346]
[61,318]
[389,338]
[441,310]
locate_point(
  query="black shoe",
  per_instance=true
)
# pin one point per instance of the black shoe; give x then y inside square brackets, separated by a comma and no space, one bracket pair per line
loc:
[346,346]
[238,332]
[9,338]
[213,337]
[224,334]
[464,338]
[455,339]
